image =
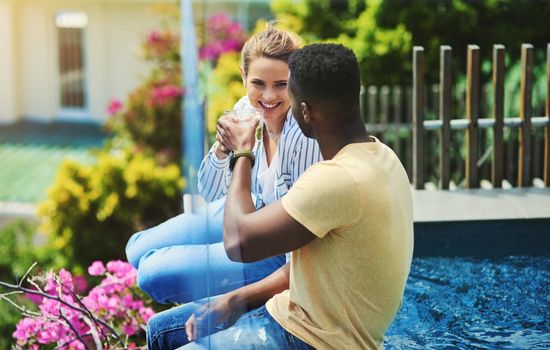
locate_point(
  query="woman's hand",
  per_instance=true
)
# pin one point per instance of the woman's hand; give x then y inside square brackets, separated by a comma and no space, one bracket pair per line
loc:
[223,151]
[217,312]
[233,136]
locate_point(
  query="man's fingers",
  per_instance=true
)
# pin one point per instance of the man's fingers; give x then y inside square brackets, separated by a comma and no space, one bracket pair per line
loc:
[190,328]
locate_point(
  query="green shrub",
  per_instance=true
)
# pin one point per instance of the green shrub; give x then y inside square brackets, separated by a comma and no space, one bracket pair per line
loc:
[91,211]
[18,250]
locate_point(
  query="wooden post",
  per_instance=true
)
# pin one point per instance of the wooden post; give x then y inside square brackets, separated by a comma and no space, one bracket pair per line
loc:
[547,129]
[418,117]
[385,109]
[397,102]
[525,111]
[372,95]
[472,113]
[362,102]
[397,111]
[498,115]
[445,107]
[409,122]
[434,99]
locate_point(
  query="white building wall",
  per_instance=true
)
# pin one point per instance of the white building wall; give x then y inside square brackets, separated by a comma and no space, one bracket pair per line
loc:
[112,55]
[35,61]
[29,68]
[8,100]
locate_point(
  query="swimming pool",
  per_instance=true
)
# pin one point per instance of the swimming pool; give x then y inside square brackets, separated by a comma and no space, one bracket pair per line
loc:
[474,303]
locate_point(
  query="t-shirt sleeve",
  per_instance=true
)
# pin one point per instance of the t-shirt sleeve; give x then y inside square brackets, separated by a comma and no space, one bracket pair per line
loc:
[324,198]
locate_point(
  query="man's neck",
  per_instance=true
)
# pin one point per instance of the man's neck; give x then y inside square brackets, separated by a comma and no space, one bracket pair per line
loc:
[347,131]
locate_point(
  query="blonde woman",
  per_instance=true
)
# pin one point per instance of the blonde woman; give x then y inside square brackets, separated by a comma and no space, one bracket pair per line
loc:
[183,259]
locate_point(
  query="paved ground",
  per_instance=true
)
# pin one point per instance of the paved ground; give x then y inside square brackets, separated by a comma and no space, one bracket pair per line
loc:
[30,154]
[480,204]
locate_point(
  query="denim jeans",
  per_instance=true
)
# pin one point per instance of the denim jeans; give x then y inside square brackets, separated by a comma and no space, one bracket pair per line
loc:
[254,330]
[183,259]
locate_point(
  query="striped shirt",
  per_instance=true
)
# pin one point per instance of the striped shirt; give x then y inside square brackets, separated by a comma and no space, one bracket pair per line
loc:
[296,153]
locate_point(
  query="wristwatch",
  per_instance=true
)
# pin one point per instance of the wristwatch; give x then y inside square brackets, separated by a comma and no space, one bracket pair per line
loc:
[241,153]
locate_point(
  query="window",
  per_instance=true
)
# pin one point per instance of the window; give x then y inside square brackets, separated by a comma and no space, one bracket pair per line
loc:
[70,31]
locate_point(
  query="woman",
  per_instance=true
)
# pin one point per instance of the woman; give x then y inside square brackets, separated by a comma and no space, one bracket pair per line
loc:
[183,259]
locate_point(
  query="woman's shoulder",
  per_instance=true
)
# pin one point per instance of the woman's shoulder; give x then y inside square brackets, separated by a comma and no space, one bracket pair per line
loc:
[292,130]
[242,103]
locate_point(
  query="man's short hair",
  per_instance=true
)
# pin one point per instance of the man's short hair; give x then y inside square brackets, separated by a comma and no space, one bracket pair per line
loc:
[326,75]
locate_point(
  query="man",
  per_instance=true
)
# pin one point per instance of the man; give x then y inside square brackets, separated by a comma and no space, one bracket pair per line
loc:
[347,222]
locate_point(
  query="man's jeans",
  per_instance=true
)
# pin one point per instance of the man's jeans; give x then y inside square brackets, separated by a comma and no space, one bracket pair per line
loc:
[253,330]
[183,259]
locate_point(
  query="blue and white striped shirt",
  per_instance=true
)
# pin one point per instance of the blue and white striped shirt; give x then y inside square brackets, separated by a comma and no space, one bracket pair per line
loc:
[296,154]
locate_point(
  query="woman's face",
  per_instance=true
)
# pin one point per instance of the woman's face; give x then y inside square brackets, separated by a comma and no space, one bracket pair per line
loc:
[266,85]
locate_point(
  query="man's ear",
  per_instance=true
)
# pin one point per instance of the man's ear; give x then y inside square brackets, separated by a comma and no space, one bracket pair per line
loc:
[243,76]
[306,112]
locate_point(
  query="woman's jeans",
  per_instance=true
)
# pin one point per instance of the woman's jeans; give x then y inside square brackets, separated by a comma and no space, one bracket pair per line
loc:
[253,330]
[183,259]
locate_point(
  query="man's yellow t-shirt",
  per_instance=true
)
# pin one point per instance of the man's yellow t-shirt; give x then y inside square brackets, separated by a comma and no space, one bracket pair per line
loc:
[346,286]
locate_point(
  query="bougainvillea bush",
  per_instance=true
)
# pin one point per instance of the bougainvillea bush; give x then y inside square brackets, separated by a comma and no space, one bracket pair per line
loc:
[150,118]
[111,315]
[223,35]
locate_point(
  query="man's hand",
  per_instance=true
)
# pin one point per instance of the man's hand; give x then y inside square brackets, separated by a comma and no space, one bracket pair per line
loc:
[215,313]
[230,306]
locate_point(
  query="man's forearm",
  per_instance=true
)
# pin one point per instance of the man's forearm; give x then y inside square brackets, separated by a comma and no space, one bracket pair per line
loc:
[256,294]
[238,203]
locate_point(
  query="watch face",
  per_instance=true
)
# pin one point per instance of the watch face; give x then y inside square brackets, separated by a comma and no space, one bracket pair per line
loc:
[232,160]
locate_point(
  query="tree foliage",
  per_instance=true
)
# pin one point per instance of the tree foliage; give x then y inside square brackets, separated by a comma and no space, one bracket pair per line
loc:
[382,33]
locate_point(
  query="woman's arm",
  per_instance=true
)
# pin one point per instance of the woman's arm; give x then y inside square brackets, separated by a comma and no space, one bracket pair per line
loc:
[214,175]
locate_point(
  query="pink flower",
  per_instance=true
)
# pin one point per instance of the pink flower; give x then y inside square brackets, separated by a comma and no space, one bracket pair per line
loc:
[128,300]
[113,303]
[37,299]
[130,328]
[114,107]
[153,38]
[224,36]
[146,313]
[166,93]
[80,284]
[25,329]
[51,285]
[113,300]
[119,267]
[50,333]
[66,279]
[137,305]
[96,269]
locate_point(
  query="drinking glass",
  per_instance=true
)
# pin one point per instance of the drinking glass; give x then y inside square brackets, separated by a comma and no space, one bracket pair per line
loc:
[245,116]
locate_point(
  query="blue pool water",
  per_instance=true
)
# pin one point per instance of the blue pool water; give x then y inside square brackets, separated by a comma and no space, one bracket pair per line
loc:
[469,303]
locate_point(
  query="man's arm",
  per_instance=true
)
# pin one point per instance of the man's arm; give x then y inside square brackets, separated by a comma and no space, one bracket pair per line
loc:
[251,235]
[257,294]
[237,302]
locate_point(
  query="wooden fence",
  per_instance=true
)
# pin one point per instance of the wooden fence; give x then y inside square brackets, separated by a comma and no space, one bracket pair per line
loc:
[417,121]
